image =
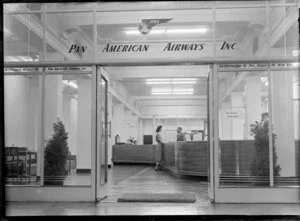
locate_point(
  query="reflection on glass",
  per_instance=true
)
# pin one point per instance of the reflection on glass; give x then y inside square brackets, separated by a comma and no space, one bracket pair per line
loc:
[284,43]
[285,117]
[67,120]
[243,128]
[239,33]
[21,107]
[69,36]
[23,37]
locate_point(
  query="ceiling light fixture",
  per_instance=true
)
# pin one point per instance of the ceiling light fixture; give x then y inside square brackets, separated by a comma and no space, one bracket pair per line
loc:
[176,91]
[70,84]
[170,31]
[172,81]
[185,31]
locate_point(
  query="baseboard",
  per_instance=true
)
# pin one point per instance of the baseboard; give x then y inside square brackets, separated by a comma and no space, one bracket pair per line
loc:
[83,170]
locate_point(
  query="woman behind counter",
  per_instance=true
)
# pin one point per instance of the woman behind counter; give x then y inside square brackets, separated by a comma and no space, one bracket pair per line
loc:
[159,148]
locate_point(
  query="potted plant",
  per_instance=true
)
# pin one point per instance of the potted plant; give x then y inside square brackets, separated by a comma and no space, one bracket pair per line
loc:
[259,166]
[56,154]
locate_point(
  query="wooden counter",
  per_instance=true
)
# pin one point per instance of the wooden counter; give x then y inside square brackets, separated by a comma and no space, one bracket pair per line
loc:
[126,153]
[191,157]
[188,158]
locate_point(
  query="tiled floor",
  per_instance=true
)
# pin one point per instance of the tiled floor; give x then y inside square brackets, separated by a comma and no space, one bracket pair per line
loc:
[144,179]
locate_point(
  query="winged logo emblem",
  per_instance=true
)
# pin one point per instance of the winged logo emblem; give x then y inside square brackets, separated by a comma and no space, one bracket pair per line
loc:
[147,24]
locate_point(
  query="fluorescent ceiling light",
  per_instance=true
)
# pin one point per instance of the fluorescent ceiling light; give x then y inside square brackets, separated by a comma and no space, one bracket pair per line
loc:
[161,90]
[179,93]
[158,79]
[170,31]
[183,89]
[161,93]
[189,30]
[153,32]
[184,79]
[183,82]
[296,53]
[296,64]
[176,91]
[171,81]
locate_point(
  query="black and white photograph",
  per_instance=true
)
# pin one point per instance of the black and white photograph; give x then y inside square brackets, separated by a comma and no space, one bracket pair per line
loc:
[150,108]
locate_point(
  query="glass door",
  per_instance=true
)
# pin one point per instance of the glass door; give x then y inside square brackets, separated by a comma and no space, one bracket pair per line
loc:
[102,136]
[209,130]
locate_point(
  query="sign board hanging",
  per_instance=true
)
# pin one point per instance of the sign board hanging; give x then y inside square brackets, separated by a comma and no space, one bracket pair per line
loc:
[68,69]
[23,70]
[242,66]
[234,114]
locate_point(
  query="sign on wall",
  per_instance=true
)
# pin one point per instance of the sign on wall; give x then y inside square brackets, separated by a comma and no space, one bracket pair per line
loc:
[68,69]
[257,66]
[234,114]
[24,70]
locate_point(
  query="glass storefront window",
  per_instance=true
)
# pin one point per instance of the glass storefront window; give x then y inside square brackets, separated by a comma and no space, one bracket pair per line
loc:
[23,37]
[67,125]
[243,133]
[22,117]
[69,37]
[239,33]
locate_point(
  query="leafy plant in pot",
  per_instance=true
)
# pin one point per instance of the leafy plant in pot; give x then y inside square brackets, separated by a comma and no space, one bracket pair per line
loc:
[259,166]
[56,155]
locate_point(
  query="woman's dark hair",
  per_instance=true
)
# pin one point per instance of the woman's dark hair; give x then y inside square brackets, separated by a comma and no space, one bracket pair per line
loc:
[158,128]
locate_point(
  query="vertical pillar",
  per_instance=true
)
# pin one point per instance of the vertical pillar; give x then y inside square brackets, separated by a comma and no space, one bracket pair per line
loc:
[283,121]
[119,121]
[253,103]
[53,102]
[225,122]
[84,124]
[140,131]
[154,129]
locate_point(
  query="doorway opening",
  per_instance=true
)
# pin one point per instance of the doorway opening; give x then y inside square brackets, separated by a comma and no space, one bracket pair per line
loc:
[132,102]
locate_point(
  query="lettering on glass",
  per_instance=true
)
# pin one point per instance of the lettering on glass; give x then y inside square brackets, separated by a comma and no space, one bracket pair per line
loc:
[77,48]
[184,47]
[228,46]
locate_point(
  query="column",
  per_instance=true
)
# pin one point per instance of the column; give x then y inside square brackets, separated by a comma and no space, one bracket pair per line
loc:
[119,121]
[253,103]
[84,124]
[237,122]
[140,131]
[154,130]
[225,122]
[283,121]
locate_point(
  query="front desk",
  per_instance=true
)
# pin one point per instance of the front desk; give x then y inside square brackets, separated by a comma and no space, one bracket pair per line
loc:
[184,157]
[191,157]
